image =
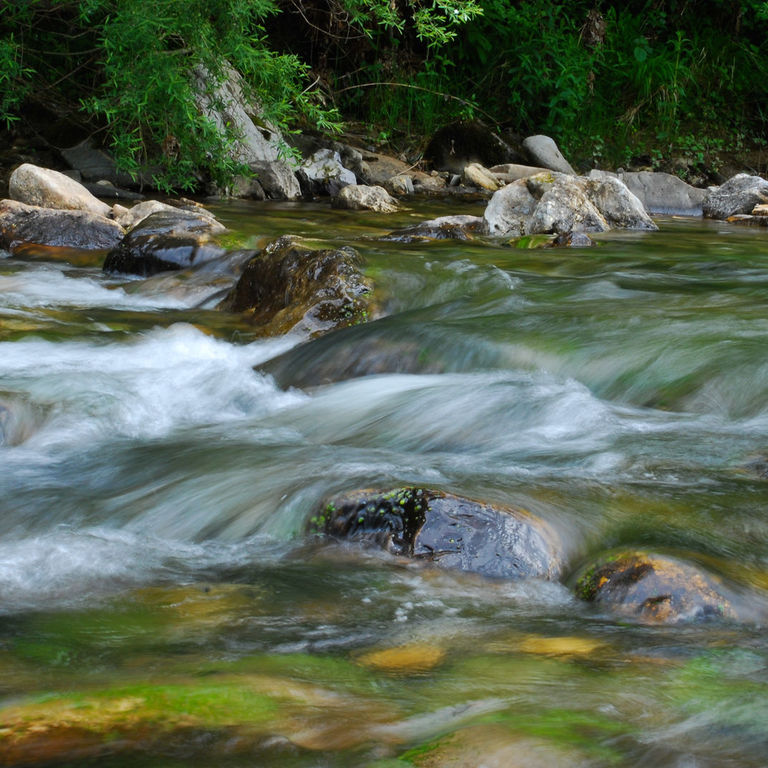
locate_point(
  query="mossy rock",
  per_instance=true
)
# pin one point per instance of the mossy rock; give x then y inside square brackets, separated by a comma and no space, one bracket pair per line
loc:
[654,588]
[290,286]
[446,530]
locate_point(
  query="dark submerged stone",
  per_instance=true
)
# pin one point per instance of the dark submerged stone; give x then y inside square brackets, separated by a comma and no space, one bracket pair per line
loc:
[446,530]
[654,588]
[166,240]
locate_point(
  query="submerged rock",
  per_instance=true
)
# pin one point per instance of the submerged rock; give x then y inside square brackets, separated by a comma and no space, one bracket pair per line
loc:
[459,227]
[21,224]
[166,240]
[654,588]
[290,286]
[446,530]
[358,197]
[738,195]
[45,188]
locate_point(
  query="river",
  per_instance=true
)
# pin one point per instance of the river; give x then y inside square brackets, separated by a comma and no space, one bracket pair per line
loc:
[162,605]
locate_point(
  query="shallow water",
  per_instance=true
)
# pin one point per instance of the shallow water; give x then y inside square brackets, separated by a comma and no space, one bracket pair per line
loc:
[162,605]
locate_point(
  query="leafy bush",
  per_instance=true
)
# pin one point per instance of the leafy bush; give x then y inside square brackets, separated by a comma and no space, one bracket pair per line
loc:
[125,67]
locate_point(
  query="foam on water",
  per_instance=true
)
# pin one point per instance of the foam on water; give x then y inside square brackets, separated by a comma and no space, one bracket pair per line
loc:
[50,286]
[165,380]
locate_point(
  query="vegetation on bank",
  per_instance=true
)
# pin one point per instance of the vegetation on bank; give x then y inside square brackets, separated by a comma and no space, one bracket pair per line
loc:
[608,80]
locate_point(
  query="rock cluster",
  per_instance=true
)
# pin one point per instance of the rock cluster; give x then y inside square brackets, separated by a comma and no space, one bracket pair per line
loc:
[447,531]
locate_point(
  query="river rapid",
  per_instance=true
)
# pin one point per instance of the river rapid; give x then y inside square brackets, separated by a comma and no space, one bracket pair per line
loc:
[161,603]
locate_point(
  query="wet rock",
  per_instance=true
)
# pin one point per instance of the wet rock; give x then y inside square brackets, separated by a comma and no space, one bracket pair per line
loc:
[446,530]
[21,224]
[324,174]
[573,240]
[739,195]
[497,746]
[654,588]
[351,355]
[358,197]
[543,151]
[455,146]
[42,187]
[290,286]
[459,227]
[476,175]
[164,240]
[747,220]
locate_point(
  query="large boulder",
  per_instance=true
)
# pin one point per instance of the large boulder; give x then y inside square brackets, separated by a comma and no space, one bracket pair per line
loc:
[445,530]
[738,195]
[654,588]
[166,240]
[288,286]
[455,146]
[258,143]
[618,205]
[45,188]
[358,197]
[563,206]
[555,203]
[663,192]
[509,209]
[543,151]
[21,224]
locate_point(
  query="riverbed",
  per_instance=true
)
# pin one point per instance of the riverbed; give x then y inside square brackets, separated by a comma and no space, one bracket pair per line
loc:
[162,604]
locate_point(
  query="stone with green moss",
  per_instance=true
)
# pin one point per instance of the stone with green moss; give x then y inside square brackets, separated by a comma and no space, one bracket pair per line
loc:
[445,530]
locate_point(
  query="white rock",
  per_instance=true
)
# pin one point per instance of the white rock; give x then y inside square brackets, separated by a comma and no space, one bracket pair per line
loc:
[361,197]
[45,188]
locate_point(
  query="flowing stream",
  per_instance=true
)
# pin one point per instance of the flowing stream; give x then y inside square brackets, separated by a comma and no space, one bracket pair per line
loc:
[161,603]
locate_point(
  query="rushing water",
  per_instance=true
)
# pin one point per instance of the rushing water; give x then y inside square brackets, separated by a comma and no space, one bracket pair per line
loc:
[161,604]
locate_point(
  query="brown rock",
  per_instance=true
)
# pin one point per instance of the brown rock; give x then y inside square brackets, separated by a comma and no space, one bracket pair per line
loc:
[21,223]
[290,286]
[654,588]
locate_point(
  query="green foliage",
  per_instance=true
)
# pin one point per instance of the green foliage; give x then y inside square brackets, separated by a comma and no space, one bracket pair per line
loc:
[599,77]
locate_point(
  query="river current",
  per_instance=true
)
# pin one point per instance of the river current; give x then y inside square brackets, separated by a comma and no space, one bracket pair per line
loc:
[161,603]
